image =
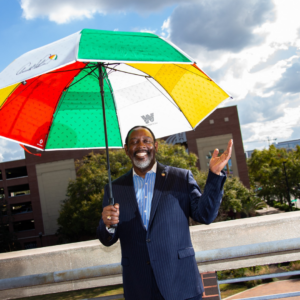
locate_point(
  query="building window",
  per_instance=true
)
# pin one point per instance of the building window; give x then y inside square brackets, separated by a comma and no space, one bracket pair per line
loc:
[211,121]
[18,190]
[4,227]
[2,194]
[0,175]
[21,208]
[24,225]
[16,172]
[226,119]
[3,210]
[30,245]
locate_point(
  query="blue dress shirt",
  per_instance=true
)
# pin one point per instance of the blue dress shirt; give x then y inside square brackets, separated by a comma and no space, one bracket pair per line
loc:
[144,188]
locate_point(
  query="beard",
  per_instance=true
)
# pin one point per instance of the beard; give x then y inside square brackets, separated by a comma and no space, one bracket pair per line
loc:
[145,163]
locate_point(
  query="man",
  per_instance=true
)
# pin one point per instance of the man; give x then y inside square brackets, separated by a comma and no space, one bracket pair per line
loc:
[153,205]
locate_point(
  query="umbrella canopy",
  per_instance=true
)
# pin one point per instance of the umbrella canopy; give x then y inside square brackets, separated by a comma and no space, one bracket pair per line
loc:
[49,97]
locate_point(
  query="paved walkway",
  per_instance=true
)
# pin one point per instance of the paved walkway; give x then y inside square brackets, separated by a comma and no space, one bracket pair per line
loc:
[277,287]
[269,210]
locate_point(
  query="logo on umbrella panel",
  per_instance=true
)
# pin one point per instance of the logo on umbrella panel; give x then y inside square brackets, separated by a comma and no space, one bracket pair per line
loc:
[42,62]
[148,118]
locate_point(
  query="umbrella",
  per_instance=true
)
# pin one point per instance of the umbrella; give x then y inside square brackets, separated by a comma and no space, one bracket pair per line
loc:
[50,97]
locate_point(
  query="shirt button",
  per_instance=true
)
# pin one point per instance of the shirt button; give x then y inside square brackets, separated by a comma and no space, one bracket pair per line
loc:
[148,240]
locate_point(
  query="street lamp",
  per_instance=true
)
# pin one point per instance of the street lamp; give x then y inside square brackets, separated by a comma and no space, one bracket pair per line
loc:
[287,186]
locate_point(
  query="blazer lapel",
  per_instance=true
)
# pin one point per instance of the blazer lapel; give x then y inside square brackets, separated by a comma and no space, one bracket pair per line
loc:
[130,193]
[161,177]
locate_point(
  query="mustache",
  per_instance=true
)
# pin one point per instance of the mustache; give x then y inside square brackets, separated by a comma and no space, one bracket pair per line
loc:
[147,151]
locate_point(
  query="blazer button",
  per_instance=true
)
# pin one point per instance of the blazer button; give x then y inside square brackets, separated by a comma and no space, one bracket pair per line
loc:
[148,262]
[109,238]
[148,240]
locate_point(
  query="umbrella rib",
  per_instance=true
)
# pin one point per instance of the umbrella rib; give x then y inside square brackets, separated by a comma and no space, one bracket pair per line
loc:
[15,96]
[81,78]
[95,75]
[164,95]
[112,93]
[80,69]
[193,73]
[112,69]
[171,101]
[129,73]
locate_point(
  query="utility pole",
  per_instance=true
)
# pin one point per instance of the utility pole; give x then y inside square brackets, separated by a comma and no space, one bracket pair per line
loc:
[269,140]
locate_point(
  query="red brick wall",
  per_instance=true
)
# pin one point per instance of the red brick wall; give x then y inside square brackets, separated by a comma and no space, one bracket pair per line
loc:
[211,291]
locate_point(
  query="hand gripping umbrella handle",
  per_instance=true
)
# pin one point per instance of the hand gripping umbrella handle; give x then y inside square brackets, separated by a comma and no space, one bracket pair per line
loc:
[111,202]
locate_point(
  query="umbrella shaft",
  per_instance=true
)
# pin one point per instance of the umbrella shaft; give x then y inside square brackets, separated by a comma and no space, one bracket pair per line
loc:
[101,79]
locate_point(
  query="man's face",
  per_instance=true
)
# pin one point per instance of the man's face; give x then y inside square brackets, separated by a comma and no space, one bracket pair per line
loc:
[141,148]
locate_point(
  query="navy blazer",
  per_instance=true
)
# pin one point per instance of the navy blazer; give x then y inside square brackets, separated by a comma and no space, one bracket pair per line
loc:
[166,245]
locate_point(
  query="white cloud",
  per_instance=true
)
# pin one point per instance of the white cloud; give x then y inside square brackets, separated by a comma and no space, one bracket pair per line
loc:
[221,25]
[280,129]
[251,48]
[66,11]
[59,11]
[290,79]
[165,29]
[263,77]
[10,151]
[148,30]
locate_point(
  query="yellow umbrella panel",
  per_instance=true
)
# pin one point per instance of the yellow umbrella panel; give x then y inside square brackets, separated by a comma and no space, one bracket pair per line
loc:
[192,90]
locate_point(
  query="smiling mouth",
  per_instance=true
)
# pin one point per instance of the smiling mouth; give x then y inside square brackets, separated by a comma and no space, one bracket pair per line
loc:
[141,154]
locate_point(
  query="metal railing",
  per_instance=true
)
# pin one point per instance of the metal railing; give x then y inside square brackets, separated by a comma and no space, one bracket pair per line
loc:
[265,276]
[116,269]
[248,250]
[60,276]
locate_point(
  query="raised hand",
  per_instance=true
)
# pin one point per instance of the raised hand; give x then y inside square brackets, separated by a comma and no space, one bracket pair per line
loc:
[217,164]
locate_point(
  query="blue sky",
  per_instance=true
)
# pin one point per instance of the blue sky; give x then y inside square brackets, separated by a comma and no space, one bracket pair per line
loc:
[251,48]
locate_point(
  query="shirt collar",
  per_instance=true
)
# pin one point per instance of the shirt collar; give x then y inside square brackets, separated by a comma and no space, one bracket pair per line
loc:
[153,170]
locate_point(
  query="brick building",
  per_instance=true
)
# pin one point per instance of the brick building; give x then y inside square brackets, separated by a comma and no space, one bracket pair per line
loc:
[33,189]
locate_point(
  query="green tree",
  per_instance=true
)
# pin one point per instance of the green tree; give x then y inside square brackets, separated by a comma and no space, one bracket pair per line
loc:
[236,199]
[268,177]
[81,211]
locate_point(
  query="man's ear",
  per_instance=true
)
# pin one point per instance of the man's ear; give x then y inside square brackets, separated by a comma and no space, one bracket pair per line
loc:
[126,149]
[156,146]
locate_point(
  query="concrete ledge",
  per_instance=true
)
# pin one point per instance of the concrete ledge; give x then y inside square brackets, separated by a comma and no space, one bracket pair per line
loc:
[222,254]
[227,234]
[58,258]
